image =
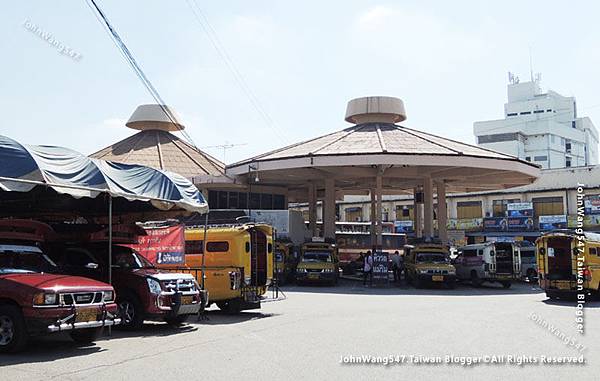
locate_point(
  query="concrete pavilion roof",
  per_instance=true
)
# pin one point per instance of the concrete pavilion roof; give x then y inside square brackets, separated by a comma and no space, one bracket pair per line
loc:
[354,155]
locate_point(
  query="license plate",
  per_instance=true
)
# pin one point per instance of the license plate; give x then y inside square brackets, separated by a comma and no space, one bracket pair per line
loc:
[188,299]
[313,276]
[437,278]
[85,315]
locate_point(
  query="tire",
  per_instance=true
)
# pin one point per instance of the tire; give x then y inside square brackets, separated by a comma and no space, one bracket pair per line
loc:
[451,285]
[85,336]
[176,320]
[552,296]
[13,332]
[131,312]
[506,284]
[419,283]
[233,306]
[475,280]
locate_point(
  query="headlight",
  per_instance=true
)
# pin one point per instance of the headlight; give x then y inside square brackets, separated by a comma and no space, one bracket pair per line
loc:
[42,299]
[422,271]
[452,272]
[154,286]
[109,296]
[301,270]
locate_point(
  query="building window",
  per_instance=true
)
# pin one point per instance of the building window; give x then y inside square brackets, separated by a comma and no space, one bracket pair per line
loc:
[568,163]
[500,206]
[568,147]
[549,110]
[468,209]
[573,124]
[525,113]
[548,206]
[404,212]
[353,214]
[538,111]
[512,114]
[540,158]
[528,158]
[482,139]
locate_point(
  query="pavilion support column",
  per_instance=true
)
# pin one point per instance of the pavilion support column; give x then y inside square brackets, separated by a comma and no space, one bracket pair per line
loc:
[442,210]
[379,206]
[373,219]
[312,210]
[329,210]
[418,217]
[428,207]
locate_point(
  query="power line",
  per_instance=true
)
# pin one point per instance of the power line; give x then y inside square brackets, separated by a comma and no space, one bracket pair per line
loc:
[237,75]
[126,53]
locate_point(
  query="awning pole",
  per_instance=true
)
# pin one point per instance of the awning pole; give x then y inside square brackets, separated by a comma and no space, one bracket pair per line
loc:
[110,241]
[204,247]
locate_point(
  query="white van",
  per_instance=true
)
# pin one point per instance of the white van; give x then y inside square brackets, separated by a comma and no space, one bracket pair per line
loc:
[489,262]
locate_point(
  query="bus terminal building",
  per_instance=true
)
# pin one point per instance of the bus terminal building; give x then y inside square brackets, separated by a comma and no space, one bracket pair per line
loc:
[521,213]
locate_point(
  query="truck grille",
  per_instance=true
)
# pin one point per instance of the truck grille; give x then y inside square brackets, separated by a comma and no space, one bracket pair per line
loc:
[82,298]
[443,272]
[179,284]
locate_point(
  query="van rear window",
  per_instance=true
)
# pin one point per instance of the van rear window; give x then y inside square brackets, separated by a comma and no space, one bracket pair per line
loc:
[217,246]
[194,247]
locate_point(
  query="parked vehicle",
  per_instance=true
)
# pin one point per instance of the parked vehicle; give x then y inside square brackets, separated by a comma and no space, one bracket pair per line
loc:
[318,263]
[238,263]
[284,262]
[144,292]
[557,255]
[489,262]
[529,267]
[428,264]
[35,299]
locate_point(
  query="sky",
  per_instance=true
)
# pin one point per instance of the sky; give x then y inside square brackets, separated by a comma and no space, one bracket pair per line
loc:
[295,66]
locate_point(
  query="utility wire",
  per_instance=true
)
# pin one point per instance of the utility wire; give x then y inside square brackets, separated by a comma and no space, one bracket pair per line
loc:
[211,33]
[126,53]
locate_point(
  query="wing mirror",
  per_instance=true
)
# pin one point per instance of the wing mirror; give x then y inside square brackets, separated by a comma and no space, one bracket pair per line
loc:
[542,251]
[91,266]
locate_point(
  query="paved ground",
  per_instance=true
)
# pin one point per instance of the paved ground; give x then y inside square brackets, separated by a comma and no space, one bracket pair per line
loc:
[304,337]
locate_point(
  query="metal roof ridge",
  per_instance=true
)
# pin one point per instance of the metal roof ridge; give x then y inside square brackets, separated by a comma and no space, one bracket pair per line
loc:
[428,140]
[346,134]
[380,137]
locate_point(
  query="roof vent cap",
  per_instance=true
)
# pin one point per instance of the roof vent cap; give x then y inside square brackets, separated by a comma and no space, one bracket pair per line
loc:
[375,110]
[153,117]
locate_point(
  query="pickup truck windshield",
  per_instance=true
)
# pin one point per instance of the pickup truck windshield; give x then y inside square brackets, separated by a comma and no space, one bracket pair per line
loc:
[432,258]
[316,256]
[15,259]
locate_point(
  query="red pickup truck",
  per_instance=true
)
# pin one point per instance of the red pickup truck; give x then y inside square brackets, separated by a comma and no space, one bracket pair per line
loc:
[35,300]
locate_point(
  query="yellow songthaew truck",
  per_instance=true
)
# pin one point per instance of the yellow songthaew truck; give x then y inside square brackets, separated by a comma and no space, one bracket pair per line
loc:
[560,268]
[318,263]
[238,263]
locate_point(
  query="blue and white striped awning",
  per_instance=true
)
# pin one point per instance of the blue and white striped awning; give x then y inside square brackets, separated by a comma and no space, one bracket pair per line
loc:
[23,167]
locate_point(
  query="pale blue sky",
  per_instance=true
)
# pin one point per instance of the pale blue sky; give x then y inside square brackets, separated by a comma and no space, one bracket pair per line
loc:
[304,60]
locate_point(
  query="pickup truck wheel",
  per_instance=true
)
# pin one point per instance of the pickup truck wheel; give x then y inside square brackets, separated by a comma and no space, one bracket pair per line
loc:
[475,280]
[13,333]
[131,312]
[232,306]
[86,336]
[176,320]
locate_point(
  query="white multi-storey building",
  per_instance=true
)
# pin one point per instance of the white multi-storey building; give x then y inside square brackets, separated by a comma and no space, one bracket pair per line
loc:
[540,127]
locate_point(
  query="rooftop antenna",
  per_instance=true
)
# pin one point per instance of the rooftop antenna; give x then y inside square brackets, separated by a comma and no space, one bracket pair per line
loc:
[531,65]
[225,147]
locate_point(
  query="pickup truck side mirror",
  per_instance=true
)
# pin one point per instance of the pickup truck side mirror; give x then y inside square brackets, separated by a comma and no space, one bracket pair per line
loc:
[91,266]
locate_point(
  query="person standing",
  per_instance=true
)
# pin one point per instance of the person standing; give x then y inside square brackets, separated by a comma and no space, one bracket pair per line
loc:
[396,265]
[368,269]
